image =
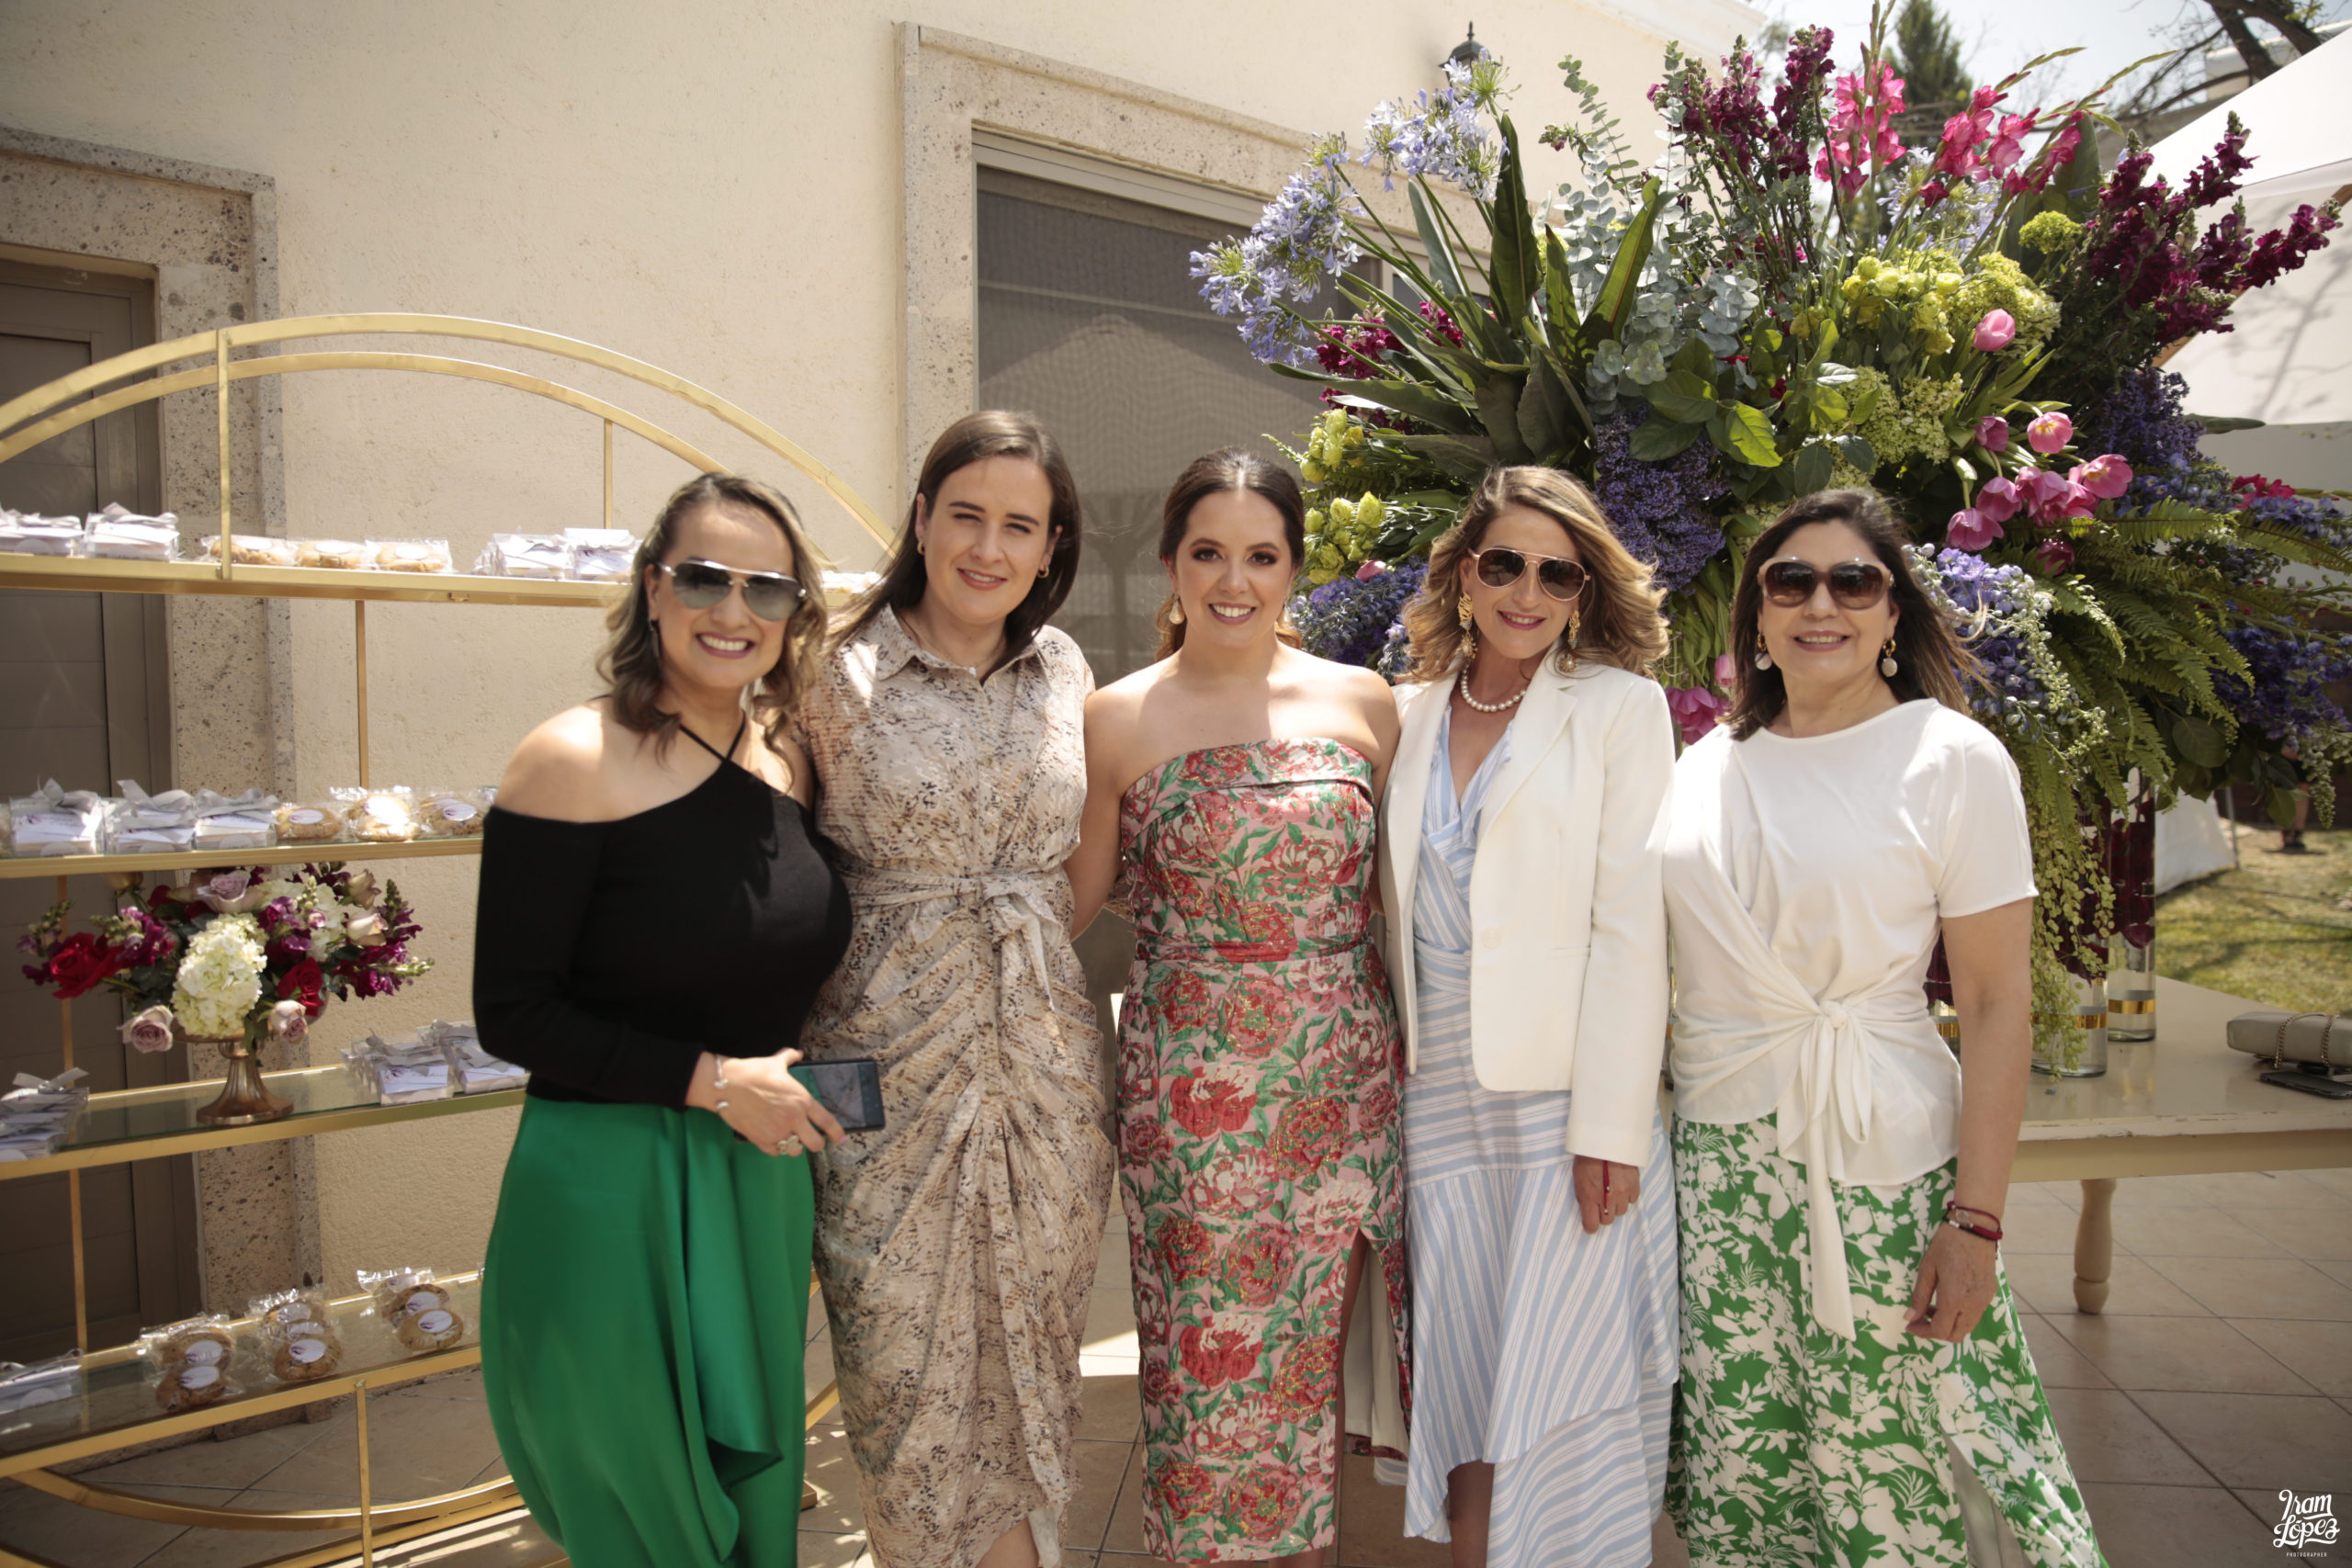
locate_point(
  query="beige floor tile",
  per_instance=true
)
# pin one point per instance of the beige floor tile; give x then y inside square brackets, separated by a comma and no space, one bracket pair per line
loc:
[504,1541]
[2337,1180]
[2270,1508]
[494,1470]
[2312,1234]
[1124,1533]
[463,1383]
[2319,1353]
[2108,1437]
[2335,1271]
[819,1550]
[1372,1524]
[2038,1227]
[2256,1287]
[828,1466]
[2155,1192]
[1109,1323]
[1130,1560]
[2195,1354]
[50,1528]
[1666,1549]
[237,1463]
[2260,1440]
[2261,1190]
[2044,1195]
[2174,1526]
[816,1364]
[1107,1363]
[237,1548]
[2046,1283]
[1114,1412]
[417,1447]
[1113,1271]
[2200,1231]
[1102,1469]
[2060,1364]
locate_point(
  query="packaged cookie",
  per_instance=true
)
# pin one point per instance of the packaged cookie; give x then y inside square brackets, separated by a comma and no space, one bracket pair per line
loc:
[236,821]
[120,533]
[55,821]
[139,823]
[298,1335]
[449,813]
[190,1385]
[30,534]
[526,555]
[191,1362]
[309,821]
[251,549]
[341,555]
[380,816]
[409,555]
[601,555]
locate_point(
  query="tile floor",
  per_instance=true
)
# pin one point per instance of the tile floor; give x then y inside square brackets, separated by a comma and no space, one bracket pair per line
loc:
[2221,1372]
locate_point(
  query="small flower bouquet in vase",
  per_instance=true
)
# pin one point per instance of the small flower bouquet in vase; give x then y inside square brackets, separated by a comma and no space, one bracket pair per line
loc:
[236,959]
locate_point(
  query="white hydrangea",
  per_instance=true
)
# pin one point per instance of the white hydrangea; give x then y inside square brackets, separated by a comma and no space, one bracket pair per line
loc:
[219,978]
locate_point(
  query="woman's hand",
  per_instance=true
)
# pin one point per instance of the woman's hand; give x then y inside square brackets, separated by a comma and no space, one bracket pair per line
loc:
[1604,1191]
[764,1103]
[1955,1285]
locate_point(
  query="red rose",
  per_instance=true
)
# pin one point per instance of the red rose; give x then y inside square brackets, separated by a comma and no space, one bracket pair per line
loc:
[1217,765]
[1160,1385]
[1146,1140]
[1306,1382]
[1309,1134]
[1213,1356]
[1380,1105]
[304,983]
[1207,1108]
[81,962]
[1182,999]
[1268,934]
[1263,1501]
[1184,1247]
[1256,1014]
[1183,1488]
[1259,1264]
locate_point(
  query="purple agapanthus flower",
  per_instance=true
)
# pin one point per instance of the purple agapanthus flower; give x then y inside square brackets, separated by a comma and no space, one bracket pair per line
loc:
[2286,699]
[1356,620]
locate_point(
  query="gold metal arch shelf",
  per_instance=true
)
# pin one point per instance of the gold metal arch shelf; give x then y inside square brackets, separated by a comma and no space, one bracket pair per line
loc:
[36,415]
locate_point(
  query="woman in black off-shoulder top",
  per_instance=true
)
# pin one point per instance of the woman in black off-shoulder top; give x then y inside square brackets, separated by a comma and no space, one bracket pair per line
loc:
[656,915]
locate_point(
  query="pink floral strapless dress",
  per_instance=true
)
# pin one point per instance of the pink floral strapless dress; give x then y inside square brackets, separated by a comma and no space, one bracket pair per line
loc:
[1259,1135]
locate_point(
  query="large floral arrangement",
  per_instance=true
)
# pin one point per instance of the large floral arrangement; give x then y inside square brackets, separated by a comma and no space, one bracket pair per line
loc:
[235,955]
[1791,299]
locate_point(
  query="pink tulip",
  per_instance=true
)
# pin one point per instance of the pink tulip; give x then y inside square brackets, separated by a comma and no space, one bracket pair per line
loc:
[2044,493]
[1998,501]
[1996,330]
[1724,668]
[2054,556]
[1696,711]
[2107,476]
[1369,570]
[2049,433]
[1970,530]
[1993,432]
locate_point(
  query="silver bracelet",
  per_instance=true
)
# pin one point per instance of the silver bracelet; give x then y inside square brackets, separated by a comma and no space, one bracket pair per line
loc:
[718,1081]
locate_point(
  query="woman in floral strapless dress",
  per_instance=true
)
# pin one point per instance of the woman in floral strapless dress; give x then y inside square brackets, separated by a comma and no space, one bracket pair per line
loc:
[1260,1152]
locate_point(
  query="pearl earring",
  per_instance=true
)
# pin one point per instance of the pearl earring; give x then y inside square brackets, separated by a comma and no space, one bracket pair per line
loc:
[1886,664]
[1176,612]
[1763,659]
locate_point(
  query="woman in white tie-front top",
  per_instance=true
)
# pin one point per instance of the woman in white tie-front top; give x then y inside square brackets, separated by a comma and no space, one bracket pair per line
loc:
[1520,846]
[1855,1385]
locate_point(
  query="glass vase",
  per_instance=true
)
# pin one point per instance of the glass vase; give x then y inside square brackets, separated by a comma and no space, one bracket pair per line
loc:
[2074,1045]
[2132,986]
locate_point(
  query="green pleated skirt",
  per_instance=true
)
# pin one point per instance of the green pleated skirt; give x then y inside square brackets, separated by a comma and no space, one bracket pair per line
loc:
[644,1307]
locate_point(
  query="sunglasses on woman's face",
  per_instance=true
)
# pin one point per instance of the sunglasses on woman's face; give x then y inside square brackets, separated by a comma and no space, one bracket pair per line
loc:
[1557,575]
[1854,584]
[699,585]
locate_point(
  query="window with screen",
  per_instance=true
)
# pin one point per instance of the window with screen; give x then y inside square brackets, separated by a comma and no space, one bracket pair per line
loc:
[1090,320]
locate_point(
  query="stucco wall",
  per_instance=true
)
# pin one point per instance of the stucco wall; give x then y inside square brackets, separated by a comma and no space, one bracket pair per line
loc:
[715,187]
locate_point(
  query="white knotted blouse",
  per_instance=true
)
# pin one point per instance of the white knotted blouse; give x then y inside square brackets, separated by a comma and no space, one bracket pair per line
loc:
[1806,880]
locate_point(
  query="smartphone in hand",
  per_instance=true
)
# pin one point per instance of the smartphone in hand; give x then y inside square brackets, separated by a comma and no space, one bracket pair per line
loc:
[850,1090]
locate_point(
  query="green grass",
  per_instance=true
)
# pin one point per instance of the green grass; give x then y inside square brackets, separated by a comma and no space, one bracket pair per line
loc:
[2274,930]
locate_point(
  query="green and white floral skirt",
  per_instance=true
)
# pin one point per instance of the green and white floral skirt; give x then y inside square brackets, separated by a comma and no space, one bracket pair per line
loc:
[1792,1446]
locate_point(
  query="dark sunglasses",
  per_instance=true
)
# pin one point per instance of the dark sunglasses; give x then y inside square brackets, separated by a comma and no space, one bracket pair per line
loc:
[1854,584]
[1557,575]
[699,585]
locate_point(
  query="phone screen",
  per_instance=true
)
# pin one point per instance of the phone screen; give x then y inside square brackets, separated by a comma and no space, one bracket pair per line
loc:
[852,1090]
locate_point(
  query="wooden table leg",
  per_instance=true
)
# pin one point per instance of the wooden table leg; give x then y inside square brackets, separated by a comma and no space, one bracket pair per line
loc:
[2095,1245]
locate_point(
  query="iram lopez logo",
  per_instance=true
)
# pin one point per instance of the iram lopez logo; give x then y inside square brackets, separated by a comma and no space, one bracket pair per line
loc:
[2305,1522]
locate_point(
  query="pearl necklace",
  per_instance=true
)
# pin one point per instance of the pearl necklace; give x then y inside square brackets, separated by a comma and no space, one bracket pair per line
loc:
[1508,702]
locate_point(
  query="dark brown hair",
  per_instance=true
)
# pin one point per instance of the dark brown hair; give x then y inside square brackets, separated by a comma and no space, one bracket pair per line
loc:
[1227,469]
[631,659]
[1618,621]
[1930,661]
[991,433]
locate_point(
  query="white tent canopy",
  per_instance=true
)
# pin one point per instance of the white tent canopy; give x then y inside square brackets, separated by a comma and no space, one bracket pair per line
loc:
[2289,359]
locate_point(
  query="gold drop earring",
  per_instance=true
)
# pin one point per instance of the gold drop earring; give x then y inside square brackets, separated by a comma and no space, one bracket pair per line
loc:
[1175,611]
[1886,664]
[1469,620]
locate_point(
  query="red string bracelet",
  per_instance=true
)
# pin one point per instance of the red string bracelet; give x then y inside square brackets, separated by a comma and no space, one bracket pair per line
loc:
[1989,1230]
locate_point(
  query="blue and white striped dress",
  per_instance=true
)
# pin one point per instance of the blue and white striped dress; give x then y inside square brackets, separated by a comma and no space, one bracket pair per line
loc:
[1547,1352]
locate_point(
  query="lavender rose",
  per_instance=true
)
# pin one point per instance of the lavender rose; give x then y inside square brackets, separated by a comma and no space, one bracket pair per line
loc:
[288,1022]
[229,892]
[361,888]
[150,1031]
[364,929]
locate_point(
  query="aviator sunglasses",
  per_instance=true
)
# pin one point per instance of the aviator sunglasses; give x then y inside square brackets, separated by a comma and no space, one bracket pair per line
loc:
[1557,575]
[1854,584]
[699,585]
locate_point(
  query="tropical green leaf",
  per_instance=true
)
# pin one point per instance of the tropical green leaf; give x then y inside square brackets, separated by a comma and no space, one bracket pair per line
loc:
[1616,300]
[1751,436]
[1685,397]
[1810,469]
[1408,397]
[1443,272]
[1543,413]
[1498,400]
[1465,458]
[1511,263]
[1858,453]
[1660,438]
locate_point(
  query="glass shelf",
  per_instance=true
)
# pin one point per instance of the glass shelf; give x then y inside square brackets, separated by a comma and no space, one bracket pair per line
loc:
[118,1393]
[146,1124]
[90,575]
[335,849]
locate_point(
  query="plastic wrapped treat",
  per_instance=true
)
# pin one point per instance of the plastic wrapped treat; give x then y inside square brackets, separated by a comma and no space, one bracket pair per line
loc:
[139,823]
[449,813]
[191,1362]
[337,554]
[318,820]
[250,549]
[30,534]
[404,1070]
[38,1112]
[55,821]
[298,1336]
[477,1071]
[120,533]
[380,816]
[602,555]
[409,555]
[245,821]
[526,555]
[414,1307]
[28,1386]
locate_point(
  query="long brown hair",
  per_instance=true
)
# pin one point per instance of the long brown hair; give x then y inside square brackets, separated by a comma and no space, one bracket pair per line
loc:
[1618,623]
[991,433]
[1930,660]
[1227,469]
[631,662]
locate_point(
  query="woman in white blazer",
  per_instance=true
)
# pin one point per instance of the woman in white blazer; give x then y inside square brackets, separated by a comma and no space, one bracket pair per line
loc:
[1521,846]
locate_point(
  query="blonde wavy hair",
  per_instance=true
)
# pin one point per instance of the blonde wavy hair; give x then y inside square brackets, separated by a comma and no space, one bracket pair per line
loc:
[1617,621]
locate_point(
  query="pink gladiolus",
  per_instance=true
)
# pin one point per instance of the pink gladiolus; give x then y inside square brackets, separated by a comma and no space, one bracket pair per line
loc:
[1933,192]
[2009,145]
[2054,556]
[2050,433]
[1998,501]
[1993,432]
[1696,711]
[1996,331]
[1971,530]
[2107,476]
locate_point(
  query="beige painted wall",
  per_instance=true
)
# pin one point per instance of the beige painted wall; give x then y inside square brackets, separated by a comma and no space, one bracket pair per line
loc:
[712,187]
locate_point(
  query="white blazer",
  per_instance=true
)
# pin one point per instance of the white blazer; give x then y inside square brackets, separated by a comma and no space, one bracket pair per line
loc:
[1567,907]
